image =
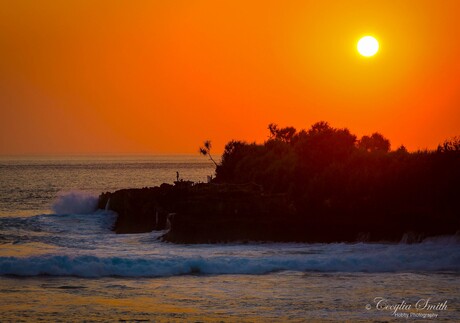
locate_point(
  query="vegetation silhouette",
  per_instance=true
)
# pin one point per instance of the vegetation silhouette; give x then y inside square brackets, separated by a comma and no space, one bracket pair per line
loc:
[344,184]
[205,150]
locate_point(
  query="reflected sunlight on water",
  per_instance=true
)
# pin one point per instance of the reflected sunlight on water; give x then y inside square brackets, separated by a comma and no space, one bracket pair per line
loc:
[278,297]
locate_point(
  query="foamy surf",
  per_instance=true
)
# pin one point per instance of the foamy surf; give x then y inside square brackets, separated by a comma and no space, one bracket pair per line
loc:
[75,202]
[426,257]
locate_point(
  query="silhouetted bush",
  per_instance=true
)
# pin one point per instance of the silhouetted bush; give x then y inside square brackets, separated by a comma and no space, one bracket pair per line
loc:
[450,145]
[376,142]
[333,179]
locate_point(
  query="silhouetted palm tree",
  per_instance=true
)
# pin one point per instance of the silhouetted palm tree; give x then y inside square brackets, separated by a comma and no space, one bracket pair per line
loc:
[206,150]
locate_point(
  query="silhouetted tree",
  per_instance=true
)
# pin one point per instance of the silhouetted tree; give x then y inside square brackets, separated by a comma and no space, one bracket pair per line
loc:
[335,182]
[320,127]
[206,151]
[273,128]
[284,134]
[448,145]
[376,142]
[402,149]
[322,145]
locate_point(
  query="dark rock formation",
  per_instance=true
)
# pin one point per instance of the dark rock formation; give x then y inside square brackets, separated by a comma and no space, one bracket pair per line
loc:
[210,213]
[139,210]
[203,213]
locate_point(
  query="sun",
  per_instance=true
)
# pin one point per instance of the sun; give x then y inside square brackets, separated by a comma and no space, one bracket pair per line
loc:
[368,46]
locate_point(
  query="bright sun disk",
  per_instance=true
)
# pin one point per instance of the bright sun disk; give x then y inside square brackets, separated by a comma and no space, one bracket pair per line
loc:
[368,46]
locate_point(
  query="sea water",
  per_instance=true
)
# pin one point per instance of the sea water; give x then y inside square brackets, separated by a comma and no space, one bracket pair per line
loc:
[59,260]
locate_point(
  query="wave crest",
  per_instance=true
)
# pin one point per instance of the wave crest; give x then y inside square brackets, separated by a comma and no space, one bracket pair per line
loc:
[93,266]
[75,202]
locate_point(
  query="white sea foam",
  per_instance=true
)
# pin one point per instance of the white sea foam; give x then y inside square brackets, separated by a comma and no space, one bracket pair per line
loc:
[426,257]
[75,202]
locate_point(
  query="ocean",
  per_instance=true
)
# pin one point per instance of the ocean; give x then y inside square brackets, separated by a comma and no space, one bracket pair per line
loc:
[59,260]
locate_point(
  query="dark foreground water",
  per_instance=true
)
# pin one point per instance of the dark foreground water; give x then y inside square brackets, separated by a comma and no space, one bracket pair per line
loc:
[60,261]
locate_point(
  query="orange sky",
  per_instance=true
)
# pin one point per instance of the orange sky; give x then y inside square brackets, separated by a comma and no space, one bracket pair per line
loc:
[89,77]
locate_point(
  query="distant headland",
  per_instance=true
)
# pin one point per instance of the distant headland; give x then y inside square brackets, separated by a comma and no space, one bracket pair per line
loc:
[317,185]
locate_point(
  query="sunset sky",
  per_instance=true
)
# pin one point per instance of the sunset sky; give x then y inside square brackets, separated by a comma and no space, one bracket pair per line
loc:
[146,77]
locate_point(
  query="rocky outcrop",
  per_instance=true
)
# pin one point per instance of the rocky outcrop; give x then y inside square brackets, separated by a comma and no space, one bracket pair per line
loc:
[222,213]
[139,210]
[211,213]
[202,213]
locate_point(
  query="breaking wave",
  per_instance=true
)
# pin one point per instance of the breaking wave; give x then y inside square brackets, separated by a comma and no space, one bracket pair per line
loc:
[75,203]
[425,257]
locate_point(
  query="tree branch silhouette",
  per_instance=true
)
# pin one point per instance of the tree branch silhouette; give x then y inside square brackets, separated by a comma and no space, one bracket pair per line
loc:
[206,150]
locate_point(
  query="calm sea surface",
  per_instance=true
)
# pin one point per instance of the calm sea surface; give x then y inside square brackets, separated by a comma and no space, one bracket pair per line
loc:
[59,261]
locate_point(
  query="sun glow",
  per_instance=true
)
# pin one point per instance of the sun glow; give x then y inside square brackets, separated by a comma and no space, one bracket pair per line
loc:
[368,46]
